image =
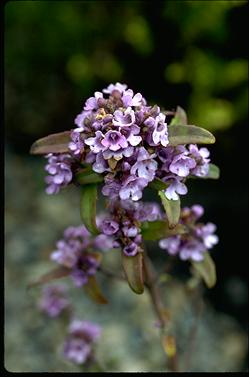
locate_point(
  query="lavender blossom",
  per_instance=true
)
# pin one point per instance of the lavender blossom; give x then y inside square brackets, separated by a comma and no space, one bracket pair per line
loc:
[199,239]
[78,346]
[54,300]
[59,168]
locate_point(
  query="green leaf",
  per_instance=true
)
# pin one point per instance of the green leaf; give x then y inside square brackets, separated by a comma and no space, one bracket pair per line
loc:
[213,173]
[180,118]
[55,143]
[189,134]
[156,230]
[172,209]
[86,176]
[88,207]
[57,273]
[158,184]
[206,269]
[93,291]
[133,268]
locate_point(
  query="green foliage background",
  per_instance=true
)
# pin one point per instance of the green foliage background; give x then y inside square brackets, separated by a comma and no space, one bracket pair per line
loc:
[187,53]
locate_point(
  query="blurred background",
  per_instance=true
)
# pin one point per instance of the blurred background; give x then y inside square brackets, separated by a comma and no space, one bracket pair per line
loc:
[187,53]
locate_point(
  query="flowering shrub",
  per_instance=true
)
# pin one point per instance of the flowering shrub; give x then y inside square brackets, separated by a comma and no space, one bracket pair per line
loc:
[123,144]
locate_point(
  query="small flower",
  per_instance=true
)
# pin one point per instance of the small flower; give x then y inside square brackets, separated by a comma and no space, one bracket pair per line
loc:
[181,165]
[95,142]
[126,118]
[131,249]
[109,227]
[129,99]
[160,132]
[114,141]
[92,102]
[86,266]
[59,168]
[54,301]
[146,166]
[78,346]
[175,188]
[119,87]
[132,187]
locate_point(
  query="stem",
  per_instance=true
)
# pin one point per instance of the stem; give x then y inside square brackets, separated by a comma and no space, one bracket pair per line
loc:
[152,286]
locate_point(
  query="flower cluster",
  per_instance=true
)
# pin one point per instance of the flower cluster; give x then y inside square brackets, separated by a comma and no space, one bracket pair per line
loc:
[54,301]
[78,346]
[74,253]
[197,241]
[127,141]
[124,223]
[60,172]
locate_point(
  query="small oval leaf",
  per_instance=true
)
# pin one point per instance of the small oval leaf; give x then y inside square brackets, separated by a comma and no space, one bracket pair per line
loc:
[206,269]
[180,117]
[88,207]
[172,209]
[54,143]
[133,268]
[93,291]
[57,273]
[213,172]
[189,134]
[156,230]
[158,184]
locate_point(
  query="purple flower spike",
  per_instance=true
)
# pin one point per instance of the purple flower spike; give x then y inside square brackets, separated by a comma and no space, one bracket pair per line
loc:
[76,350]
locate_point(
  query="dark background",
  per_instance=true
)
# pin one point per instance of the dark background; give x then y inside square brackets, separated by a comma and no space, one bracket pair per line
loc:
[188,53]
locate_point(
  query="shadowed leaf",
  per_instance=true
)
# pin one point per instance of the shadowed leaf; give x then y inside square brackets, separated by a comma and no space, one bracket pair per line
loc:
[55,143]
[133,268]
[158,184]
[189,134]
[57,273]
[93,290]
[156,230]
[86,176]
[172,209]
[88,207]
[206,269]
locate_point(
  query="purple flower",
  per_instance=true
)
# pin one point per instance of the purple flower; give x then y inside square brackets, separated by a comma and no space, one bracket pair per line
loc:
[126,118]
[80,120]
[131,133]
[175,188]
[77,143]
[114,141]
[59,168]
[202,161]
[148,212]
[95,142]
[104,243]
[130,231]
[160,131]
[109,227]
[92,102]
[100,165]
[132,188]
[119,87]
[78,346]
[77,350]
[131,249]
[54,301]
[146,166]
[181,165]
[119,154]
[111,187]
[129,99]
[195,243]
